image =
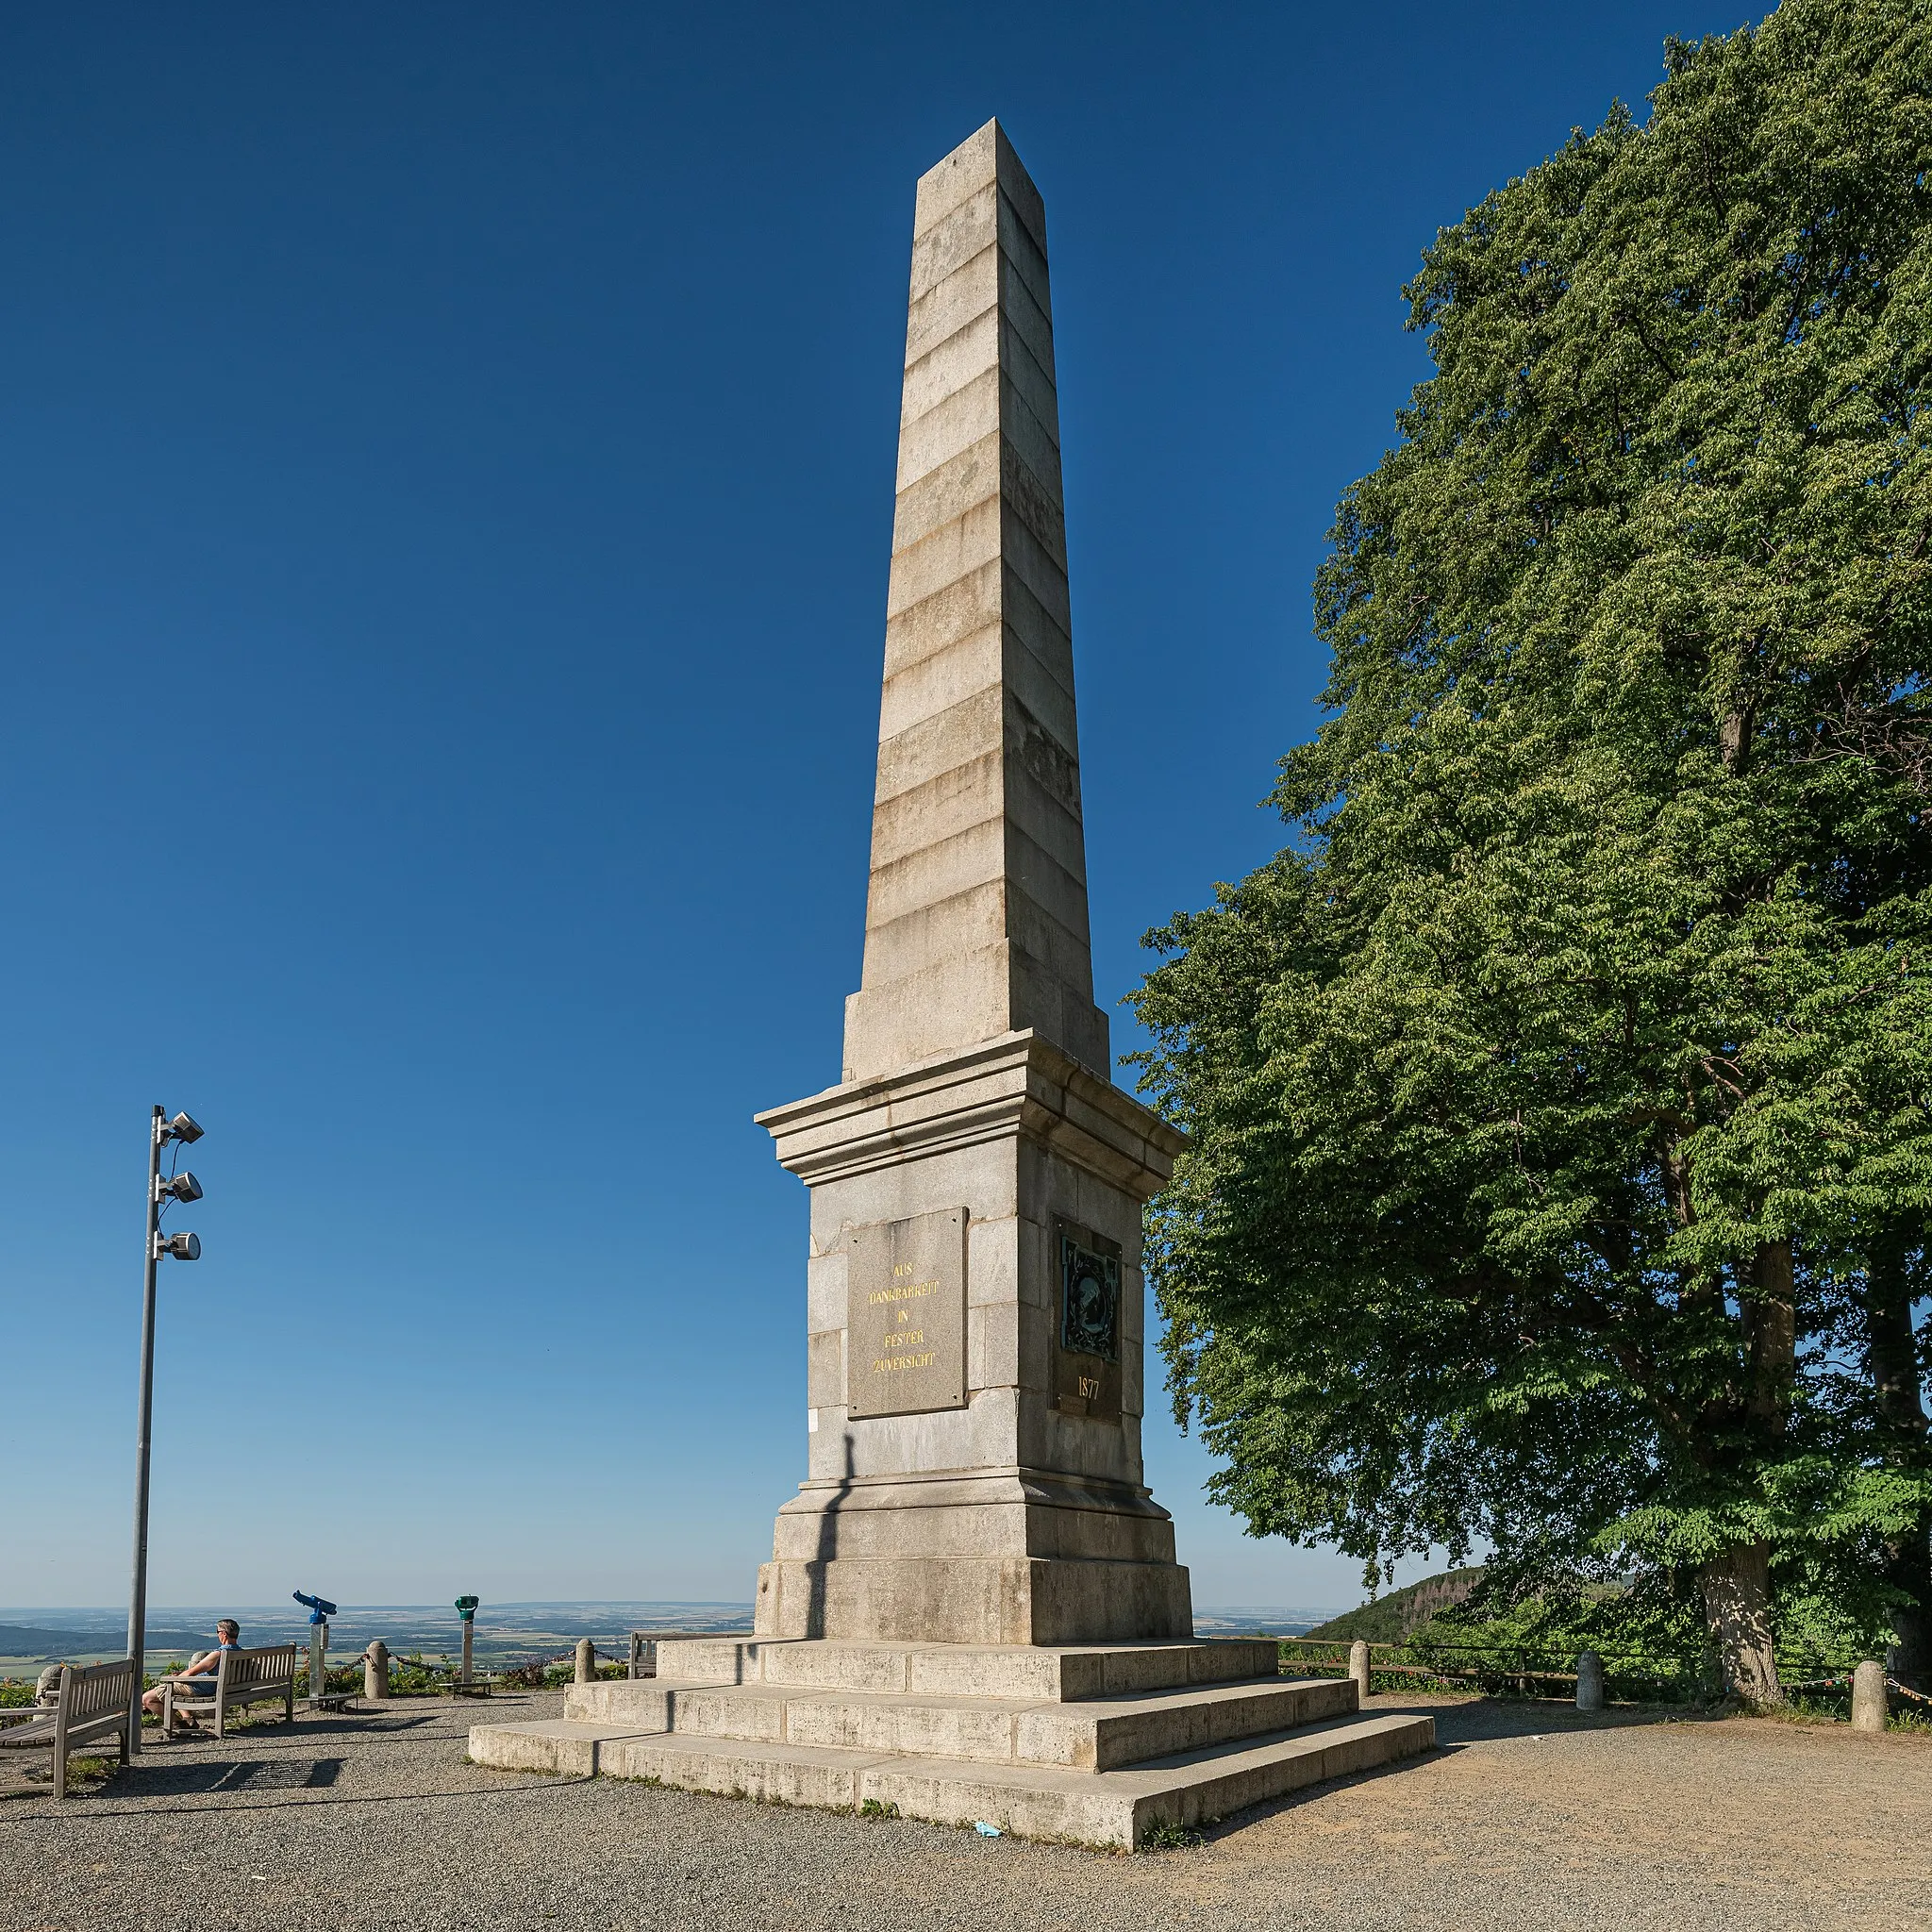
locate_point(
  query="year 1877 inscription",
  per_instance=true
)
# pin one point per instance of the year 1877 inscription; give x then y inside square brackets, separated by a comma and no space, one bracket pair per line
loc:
[906,1315]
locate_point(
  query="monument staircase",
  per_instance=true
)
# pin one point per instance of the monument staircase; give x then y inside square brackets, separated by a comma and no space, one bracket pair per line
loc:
[1099,1744]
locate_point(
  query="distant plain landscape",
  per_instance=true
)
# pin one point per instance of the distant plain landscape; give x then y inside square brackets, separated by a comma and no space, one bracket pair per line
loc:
[505,1633]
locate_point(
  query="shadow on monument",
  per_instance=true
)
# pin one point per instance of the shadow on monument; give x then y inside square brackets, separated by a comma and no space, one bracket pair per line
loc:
[827,1549]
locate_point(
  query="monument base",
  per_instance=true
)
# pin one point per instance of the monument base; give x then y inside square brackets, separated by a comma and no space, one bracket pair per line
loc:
[1100,1745]
[981,1557]
[974,1600]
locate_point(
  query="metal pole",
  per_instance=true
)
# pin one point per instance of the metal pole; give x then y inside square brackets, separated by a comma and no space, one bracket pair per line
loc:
[469,1649]
[136,1605]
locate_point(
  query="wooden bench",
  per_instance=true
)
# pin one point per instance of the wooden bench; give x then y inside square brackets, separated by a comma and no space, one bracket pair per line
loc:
[96,1701]
[243,1676]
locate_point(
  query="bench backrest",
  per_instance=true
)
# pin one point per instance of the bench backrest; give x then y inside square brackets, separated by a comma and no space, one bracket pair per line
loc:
[244,1670]
[92,1690]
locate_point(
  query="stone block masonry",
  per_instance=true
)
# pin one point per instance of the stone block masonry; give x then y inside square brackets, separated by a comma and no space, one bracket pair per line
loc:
[973,1610]
[974,1452]
[977,921]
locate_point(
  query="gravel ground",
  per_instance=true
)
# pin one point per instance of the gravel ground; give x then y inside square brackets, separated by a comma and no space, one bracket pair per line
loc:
[1526,1818]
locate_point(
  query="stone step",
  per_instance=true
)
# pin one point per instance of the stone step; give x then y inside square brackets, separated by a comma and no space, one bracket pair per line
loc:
[1114,1809]
[1030,1672]
[1095,1734]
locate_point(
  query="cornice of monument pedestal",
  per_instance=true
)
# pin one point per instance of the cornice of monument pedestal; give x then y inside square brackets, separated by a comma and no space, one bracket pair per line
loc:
[1014,1512]
[1017,1083]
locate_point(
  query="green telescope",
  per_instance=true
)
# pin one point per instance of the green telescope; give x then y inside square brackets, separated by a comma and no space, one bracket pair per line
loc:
[466,1607]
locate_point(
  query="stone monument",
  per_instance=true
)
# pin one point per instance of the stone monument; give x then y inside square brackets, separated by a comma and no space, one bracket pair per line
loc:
[973,1288]
[972,1611]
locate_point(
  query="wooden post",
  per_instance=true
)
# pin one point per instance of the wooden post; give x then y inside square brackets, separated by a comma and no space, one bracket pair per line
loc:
[636,1667]
[1868,1697]
[375,1670]
[1590,1681]
[587,1661]
[1359,1670]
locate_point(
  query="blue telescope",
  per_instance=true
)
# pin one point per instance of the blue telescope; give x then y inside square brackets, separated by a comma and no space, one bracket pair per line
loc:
[320,1609]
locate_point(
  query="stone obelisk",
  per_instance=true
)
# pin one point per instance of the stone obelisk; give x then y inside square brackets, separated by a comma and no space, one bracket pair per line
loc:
[974,1292]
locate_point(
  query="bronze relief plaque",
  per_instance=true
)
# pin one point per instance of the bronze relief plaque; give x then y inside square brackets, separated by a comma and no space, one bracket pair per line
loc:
[1087,1281]
[906,1315]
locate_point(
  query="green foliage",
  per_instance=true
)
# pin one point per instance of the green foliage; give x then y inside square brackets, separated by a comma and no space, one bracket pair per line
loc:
[1562,1098]
[1390,1619]
[345,1678]
[15,1693]
[1651,1638]
[412,1677]
[878,1808]
[1171,1838]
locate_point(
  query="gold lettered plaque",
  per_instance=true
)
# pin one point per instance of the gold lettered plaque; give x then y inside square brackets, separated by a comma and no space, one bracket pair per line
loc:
[906,1315]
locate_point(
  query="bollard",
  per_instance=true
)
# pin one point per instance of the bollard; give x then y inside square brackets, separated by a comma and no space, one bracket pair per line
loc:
[1359,1670]
[375,1670]
[587,1661]
[1868,1697]
[636,1667]
[1590,1681]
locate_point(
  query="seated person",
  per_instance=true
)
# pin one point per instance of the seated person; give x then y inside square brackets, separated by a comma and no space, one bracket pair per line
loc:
[198,1679]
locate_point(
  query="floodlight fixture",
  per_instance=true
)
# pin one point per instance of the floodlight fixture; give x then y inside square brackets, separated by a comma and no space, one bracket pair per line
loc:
[182,1187]
[183,1128]
[183,1247]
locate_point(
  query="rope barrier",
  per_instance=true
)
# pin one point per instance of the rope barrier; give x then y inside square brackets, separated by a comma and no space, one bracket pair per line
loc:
[1435,1663]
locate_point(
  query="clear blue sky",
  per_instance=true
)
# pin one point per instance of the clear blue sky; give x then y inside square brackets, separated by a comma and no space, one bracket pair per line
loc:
[447,500]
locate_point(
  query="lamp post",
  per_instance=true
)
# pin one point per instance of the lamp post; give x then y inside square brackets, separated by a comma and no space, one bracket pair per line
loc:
[180,1247]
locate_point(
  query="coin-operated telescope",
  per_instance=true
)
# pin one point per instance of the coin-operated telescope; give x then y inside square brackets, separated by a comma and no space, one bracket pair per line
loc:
[320,1611]
[466,1608]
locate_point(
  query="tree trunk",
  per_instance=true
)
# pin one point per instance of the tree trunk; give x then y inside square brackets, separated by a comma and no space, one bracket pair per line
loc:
[1734,739]
[1736,1605]
[1770,1335]
[1906,1559]
[1906,1563]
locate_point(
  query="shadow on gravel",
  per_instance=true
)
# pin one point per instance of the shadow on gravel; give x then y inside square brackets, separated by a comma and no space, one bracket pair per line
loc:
[361,1725]
[1474,1720]
[279,1736]
[144,1803]
[249,1775]
[1459,1723]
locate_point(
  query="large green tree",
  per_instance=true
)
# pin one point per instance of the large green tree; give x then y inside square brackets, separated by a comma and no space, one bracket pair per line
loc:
[1562,1097]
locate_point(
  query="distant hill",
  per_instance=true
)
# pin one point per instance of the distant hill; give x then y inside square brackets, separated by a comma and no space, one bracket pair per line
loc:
[54,1646]
[1390,1619]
